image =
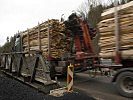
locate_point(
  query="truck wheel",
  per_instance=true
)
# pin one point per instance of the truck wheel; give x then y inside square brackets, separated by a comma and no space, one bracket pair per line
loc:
[52,71]
[124,84]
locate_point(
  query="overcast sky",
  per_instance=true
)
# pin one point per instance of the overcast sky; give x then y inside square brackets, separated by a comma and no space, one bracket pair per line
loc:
[22,14]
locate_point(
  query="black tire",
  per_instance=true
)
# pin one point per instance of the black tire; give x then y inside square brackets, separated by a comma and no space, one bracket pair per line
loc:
[64,73]
[124,84]
[52,71]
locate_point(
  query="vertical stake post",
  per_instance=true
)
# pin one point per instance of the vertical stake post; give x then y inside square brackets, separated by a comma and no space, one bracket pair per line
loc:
[39,37]
[49,48]
[117,35]
[28,39]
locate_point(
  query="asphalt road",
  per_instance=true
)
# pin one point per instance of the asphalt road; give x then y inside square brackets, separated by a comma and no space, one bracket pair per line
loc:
[99,87]
[11,89]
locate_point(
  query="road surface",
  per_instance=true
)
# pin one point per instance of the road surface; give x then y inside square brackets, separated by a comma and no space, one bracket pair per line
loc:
[11,89]
[99,87]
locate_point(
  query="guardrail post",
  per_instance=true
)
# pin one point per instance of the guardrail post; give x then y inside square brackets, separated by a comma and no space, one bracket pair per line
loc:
[20,64]
[34,69]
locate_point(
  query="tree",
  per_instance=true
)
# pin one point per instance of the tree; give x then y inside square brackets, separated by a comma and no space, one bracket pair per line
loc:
[83,10]
[8,46]
[91,11]
[94,15]
[7,39]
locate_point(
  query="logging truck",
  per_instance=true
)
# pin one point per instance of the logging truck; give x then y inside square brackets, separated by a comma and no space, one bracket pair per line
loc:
[116,43]
[81,51]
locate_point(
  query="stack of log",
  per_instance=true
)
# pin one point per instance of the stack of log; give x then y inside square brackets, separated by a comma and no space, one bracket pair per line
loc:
[58,42]
[107,32]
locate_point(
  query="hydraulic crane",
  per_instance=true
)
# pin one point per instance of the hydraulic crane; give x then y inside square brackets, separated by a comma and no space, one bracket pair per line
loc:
[82,36]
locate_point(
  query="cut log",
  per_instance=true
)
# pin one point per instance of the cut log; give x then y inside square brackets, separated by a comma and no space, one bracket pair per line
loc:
[107,32]
[59,43]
